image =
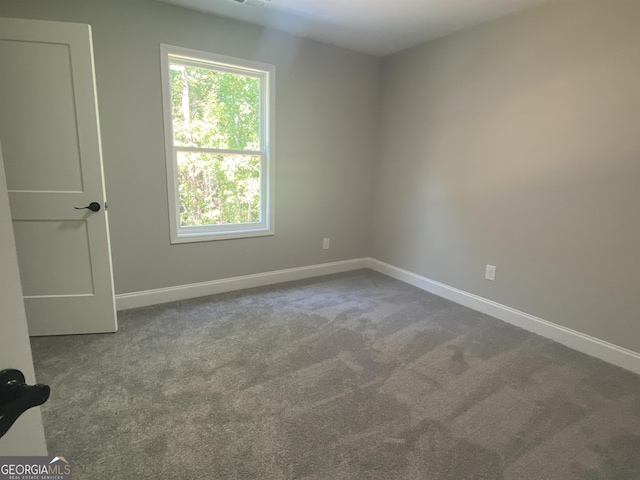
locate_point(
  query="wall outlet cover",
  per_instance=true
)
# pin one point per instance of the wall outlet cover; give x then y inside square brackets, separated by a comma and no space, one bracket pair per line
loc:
[490,273]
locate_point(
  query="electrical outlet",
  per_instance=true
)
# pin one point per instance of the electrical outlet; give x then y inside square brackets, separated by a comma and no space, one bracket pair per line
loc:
[325,243]
[490,273]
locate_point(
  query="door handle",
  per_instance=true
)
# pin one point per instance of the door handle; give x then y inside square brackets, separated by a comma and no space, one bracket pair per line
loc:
[16,397]
[93,206]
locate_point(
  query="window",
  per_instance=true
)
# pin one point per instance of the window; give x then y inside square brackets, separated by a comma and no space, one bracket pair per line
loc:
[218,114]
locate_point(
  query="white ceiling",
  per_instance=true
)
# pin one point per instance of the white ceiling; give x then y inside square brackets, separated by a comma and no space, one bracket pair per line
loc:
[378,27]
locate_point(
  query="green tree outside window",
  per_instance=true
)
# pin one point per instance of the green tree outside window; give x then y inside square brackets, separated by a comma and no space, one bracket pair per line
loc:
[213,109]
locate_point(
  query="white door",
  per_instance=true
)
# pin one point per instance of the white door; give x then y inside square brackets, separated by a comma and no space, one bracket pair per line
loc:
[53,163]
[26,436]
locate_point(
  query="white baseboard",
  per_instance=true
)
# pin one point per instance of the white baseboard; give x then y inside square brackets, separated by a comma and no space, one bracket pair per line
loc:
[581,342]
[182,292]
[592,346]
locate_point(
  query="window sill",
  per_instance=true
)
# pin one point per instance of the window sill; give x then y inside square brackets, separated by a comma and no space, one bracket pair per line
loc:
[228,235]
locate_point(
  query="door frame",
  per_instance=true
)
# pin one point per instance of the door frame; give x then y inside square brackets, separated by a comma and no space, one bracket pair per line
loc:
[26,436]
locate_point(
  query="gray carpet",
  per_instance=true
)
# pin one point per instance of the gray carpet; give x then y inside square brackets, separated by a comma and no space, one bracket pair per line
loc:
[351,376]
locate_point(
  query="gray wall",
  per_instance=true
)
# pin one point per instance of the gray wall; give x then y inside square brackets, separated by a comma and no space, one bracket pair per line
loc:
[326,98]
[517,144]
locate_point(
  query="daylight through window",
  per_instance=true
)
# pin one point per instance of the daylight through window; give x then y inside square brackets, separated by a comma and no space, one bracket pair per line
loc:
[218,128]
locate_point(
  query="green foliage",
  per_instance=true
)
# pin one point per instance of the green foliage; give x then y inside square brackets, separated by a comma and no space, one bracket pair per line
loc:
[213,109]
[218,189]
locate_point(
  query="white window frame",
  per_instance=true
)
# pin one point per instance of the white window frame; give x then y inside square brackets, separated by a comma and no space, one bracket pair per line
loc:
[266,74]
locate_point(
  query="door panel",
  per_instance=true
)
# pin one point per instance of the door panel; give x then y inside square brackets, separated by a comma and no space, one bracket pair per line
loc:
[51,142]
[46,249]
[41,73]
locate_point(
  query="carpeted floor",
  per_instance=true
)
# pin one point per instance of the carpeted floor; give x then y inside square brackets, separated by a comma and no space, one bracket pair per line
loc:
[351,376]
